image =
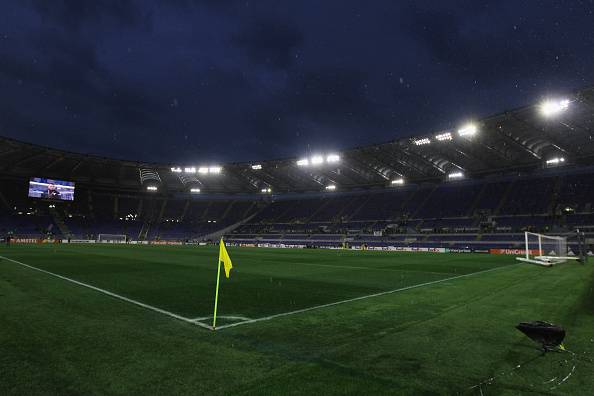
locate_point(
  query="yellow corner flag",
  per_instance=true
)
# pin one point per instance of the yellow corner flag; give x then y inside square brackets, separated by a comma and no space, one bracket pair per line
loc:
[224,257]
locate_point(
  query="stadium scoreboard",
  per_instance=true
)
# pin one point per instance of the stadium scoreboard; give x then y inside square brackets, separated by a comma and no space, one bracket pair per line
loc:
[51,189]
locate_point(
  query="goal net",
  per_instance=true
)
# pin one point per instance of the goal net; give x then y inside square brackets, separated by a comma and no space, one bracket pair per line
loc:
[111,238]
[545,250]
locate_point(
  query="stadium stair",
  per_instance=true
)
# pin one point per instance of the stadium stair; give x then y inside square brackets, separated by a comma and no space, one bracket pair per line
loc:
[116,202]
[140,208]
[506,195]
[425,200]
[341,214]
[153,218]
[254,208]
[4,201]
[218,234]
[419,225]
[476,200]
[555,195]
[207,210]
[90,205]
[227,210]
[282,214]
[59,221]
[144,231]
[358,209]
[185,211]
[162,211]
[406,201]
[318,210]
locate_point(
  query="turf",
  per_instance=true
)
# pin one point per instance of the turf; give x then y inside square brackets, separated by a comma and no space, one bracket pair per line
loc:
[443,338]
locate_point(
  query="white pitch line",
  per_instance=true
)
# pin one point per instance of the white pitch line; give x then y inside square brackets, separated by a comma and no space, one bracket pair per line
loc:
[221,317]
[143,305]
[359,298]
[245,320]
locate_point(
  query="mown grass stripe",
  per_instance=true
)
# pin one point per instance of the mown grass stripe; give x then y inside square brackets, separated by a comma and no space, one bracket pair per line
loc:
[111,294]
[265,318]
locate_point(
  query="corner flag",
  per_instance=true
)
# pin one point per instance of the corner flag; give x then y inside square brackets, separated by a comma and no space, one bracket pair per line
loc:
[226,260]
[224,257]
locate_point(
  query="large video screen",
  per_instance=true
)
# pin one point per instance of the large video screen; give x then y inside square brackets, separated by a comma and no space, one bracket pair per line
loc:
[51,189]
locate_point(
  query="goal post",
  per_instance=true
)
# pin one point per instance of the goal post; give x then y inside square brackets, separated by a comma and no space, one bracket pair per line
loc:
[545,250]
[111,238]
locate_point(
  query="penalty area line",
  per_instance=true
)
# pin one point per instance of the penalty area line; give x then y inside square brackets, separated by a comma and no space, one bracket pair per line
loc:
[111,294]
[265,318]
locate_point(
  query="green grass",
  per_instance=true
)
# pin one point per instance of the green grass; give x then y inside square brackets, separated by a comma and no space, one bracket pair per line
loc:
[57,337]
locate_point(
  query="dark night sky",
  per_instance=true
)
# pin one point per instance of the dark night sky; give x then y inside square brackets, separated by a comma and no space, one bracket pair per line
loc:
[188,81]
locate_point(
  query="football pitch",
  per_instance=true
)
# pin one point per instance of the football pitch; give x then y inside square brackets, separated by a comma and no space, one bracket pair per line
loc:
[117,319]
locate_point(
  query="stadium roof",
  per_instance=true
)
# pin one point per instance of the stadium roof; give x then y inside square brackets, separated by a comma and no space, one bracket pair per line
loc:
[517,140]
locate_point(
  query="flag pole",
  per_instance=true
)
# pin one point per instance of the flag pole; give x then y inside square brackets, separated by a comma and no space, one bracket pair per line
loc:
[214,318]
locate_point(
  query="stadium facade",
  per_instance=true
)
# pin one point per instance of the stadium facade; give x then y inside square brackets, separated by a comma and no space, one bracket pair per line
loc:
[475,187]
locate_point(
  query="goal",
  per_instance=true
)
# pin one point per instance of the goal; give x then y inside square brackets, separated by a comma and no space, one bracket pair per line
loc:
[111,238]
[545,250]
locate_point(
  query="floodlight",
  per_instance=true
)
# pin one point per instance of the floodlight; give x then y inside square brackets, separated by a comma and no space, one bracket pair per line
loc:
[456,175]
[331,187]
[397,181]
[420,142]
[331,158]
[553,107]
[267,190]
[190,170]
[303,162]
[317,159]
[256,167]
[468,130]
[203,170]
[194,190]
[555,161]
[151,188]
[176,169]
[215,169]
[444,136]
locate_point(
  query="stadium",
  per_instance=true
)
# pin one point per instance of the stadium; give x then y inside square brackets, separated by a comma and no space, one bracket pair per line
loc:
[408,247]
[296,197]
[479,188]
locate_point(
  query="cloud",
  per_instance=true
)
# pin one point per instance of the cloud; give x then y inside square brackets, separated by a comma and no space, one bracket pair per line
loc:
[476,48]
[75,14]
[269,43]
[111,77]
